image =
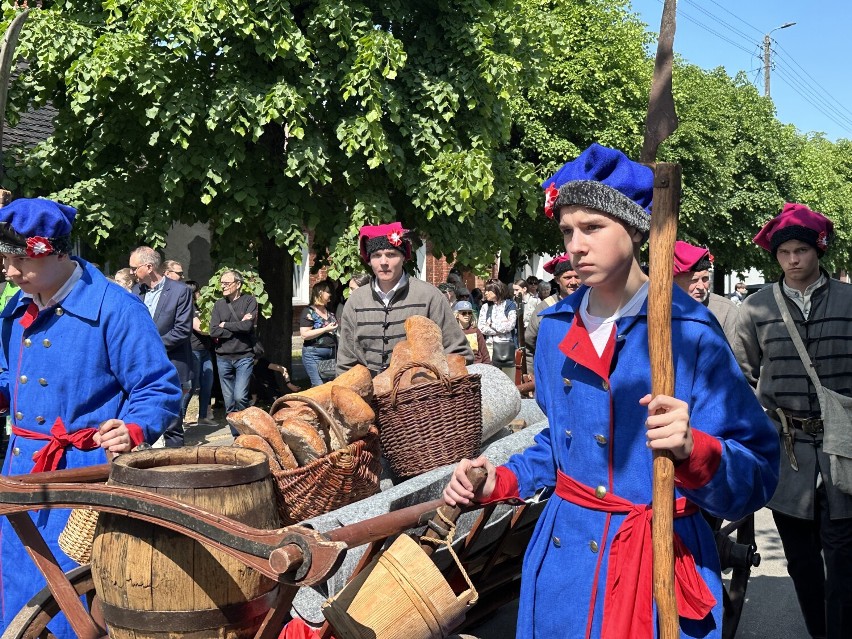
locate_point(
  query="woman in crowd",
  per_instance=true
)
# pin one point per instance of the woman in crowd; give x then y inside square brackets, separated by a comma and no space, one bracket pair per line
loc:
[318,328]
[497,320]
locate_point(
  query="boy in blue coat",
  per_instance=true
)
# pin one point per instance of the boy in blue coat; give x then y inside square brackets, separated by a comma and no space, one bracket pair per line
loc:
[84,373]
[587,570]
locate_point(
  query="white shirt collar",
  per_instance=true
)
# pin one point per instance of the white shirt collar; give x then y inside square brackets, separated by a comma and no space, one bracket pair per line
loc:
[386,297]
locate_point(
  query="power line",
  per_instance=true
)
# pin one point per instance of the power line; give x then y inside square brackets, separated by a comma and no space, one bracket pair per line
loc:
[696,21]
[837,102]
[751,26]
[712,16]
[840,112]
[791,82]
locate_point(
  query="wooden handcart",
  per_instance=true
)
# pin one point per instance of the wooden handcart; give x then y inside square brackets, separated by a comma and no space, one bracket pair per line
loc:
[293,556]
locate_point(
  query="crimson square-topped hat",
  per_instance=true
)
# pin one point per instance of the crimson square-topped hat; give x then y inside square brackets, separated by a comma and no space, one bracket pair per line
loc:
[558,265]
[36,227]
[796,222]
[691,258]
[383,236]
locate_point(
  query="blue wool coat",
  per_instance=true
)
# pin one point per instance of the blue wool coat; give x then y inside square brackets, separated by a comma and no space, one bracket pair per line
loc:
[95,357]
[597,436]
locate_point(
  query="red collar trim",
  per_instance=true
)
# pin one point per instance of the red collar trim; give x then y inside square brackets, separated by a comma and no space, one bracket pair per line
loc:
[577,346]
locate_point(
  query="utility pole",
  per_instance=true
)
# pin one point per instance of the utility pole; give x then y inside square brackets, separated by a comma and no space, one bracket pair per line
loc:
[767,49]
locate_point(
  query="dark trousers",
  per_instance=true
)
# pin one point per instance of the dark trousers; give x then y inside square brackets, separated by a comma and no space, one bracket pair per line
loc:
[819,560]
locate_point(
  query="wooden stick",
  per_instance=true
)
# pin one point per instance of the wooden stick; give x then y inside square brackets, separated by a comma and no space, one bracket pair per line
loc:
[667,180]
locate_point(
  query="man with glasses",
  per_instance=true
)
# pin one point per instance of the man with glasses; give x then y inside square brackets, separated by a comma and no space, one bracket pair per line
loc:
[170,305]
[84,374]
[232,323]
[173,270]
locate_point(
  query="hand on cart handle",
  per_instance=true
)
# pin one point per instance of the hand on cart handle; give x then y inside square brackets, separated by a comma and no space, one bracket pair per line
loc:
[460,490]
[113,437]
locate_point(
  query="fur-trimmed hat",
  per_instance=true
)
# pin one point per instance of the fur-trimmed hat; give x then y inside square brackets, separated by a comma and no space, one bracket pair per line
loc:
[606,180]
[36,227]
[691,258]
[796,222]
[558,265]
[384,236]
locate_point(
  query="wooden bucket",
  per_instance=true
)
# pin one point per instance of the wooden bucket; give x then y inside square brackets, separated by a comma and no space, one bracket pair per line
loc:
[400,595]
[155,583]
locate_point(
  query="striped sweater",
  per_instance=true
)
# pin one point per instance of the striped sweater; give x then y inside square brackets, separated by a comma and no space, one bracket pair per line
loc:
[771,364]
[369,330]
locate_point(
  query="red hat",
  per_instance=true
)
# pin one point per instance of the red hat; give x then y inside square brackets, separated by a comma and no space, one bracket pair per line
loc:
[558,265]
[796,222]
[384,236]
[691,258]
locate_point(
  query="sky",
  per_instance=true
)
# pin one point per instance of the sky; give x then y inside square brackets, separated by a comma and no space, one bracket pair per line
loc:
[811,75]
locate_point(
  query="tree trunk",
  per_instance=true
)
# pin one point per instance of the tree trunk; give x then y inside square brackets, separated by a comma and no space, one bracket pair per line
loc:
[275,267]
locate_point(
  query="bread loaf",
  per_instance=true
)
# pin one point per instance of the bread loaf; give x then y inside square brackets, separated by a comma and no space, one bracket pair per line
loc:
[401,355]
[427,346]
[357,378]
[303,439]
[254,421]
[457,365]
[300,411]
[255,442]
[354,415]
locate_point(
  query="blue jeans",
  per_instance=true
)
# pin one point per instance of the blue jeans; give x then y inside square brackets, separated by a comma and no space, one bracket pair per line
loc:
[311,357]
[234,378]
[202,381]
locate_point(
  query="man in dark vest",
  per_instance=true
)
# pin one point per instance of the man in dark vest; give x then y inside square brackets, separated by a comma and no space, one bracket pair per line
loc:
[814,518]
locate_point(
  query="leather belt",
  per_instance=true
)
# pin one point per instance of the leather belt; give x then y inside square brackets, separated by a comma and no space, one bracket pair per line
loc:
[810,425]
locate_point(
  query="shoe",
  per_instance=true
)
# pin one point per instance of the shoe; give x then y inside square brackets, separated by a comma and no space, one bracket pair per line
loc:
[206,421]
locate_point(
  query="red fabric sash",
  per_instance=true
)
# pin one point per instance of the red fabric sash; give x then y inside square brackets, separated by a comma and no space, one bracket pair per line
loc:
[628,603]
[48,458]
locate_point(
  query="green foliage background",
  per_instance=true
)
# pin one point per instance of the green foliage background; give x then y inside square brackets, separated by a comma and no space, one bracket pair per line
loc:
[272,119]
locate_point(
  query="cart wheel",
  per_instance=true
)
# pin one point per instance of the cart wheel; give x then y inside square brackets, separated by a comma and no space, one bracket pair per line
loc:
[31,622]
[739,554]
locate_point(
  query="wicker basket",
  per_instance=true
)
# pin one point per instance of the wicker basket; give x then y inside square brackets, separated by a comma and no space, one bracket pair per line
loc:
[79,533]
[339,478]
[429,425]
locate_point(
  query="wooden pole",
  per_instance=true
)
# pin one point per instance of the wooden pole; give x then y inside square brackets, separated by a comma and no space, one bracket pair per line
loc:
[667,181]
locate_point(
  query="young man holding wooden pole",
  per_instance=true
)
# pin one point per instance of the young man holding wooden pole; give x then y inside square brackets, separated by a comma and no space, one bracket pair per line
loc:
[593,380]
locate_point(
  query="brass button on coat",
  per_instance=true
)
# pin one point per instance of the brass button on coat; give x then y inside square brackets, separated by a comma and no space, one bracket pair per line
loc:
[566,382]
[556,541]
[42,381]
[40,419]
[19,415]
[23,379]
[59,312]
[28,342]
[593,546]
[16,451]
[568,433]
[600,492]
[46,343]
[600,439]
[605,385]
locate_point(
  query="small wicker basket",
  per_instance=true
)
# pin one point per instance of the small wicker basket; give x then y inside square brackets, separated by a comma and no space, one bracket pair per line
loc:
[432,424]
[337,479]
[79,533]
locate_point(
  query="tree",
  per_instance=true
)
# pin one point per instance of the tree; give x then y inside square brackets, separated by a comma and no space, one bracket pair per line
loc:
[268,118]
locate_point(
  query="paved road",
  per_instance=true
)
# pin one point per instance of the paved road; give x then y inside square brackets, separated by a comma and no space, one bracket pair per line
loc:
[770,612]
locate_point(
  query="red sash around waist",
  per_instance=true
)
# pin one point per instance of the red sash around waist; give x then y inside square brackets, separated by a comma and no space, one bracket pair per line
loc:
[58,440]
[628,603]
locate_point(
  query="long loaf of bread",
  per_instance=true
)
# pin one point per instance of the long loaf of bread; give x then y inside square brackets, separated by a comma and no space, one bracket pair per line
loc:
[254,421]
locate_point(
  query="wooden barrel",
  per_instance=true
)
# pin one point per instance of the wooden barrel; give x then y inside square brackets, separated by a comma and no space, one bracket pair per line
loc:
[155,583]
